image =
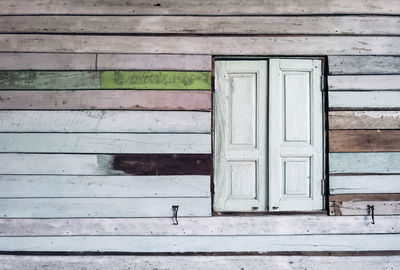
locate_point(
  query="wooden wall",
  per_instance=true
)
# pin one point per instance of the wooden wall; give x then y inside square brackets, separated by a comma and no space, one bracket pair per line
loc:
[105,111]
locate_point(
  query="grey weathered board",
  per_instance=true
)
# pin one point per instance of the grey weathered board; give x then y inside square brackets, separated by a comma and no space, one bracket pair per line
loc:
[350,184]
[350,64]
[364,120]
[349,100]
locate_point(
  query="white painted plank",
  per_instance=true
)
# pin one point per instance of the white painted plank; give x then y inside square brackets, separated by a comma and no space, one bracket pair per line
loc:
[225,45]
[11,262]
[107,143]
[364,184]
[333,25]
[380,162]
[364,82]
[20,186]
[363,64]
[216,225]
[153,62]
[208,7]
[102,207]
[270,243]
[364,120]
[105,121]
[370,99]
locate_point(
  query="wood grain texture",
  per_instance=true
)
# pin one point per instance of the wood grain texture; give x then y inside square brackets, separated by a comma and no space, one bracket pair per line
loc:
[49,80]
[227,225]
[50,186]
[146,244]
[364,120]
[168,100]
[349,100]
[153,61]
[102,207]
[107,143]
[226,45]
[186,7]
[333,25]
[165,80]
[344,65]
[9,262]
[90,164]
[365,163]
[105,121]
[47,61]
[351,184]
[364,82]
[357,204]
[364,140]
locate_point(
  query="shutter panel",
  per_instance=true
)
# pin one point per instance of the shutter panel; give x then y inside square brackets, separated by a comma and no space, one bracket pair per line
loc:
[296,135]
[240,135]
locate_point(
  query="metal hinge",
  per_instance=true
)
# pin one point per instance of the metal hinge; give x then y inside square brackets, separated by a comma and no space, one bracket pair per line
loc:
[322,83]
[324,183]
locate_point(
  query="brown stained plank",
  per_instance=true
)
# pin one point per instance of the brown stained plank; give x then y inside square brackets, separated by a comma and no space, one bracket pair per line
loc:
[164,164]
[106,100]
[364,141]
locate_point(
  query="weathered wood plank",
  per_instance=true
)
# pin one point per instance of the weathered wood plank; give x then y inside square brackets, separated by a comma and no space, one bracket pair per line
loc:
[364,82]
[20,186]
[226,45]
[153,62]
[105,121]
[364,140]
[334,25]
[49,80]
[270,243]
[339,65]
[102,207]
[106,100]
[357,204]
[347,100]
[364,120]
[10,262]
[382,163]
[47,61]
[227,225]
[169,80]
[350,184]
[107,143]
[188,7]
[124,164]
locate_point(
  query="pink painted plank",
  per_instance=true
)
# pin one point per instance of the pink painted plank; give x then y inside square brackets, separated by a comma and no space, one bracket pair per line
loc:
[106,99]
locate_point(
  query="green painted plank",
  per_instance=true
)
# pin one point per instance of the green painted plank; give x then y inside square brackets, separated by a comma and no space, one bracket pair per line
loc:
[49,80]
[171,80]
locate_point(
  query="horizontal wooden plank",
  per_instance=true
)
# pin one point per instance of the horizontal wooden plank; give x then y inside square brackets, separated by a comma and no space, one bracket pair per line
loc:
[187,7]
[153,61]
[221,45]
[365,163]
[364,140]
[270,243]
[364,82]
[103,207]
[334,25]
[25,186]
[105,121]
[76,164]
[364,120]
[47,61]
[346,100]
[9,262]
[357,204]
[350,184]
[107,143]
[49,80]
[343,65]
[106,100]
[169,80]
[216,225]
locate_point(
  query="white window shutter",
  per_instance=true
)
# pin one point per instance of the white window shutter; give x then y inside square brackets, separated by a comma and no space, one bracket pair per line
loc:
[296,135]
[240,108]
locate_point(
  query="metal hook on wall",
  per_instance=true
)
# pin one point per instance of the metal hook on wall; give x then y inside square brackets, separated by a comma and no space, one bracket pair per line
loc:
[175,213]
[371,209]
